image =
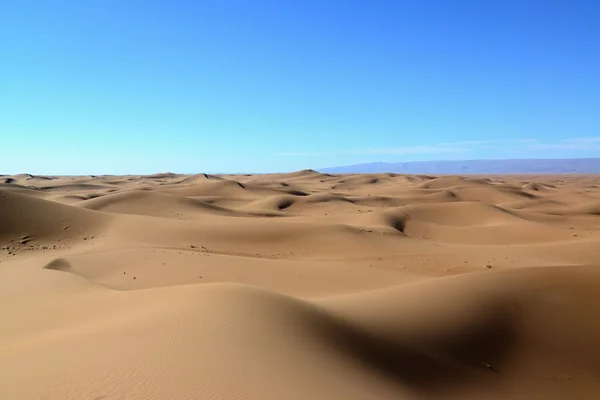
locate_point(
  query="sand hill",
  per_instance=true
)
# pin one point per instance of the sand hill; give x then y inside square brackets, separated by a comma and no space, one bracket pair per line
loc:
[299,286]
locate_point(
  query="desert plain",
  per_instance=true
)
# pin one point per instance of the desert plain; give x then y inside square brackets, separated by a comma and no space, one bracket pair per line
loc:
[299,286]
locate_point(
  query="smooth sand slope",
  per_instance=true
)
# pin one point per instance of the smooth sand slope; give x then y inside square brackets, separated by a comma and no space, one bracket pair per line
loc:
[299,286]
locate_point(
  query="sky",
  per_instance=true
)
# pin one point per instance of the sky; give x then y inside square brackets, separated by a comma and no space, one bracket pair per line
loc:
[134,87]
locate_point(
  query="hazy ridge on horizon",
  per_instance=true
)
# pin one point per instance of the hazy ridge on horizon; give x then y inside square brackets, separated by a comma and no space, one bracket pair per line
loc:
[441,167]
[506,166]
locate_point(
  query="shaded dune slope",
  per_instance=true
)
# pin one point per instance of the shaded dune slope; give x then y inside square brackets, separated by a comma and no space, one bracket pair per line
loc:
[290,202]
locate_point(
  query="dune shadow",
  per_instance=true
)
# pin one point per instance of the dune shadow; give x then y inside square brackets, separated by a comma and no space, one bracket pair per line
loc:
[59,264]
[435,361]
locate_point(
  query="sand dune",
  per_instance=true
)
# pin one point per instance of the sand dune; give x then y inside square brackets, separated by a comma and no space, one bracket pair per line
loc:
[291,202]
[300,285]
[143,202]
[25,218]
[221,188]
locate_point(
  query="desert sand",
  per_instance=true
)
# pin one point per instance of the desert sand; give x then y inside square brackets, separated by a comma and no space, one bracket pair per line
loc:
[299,286]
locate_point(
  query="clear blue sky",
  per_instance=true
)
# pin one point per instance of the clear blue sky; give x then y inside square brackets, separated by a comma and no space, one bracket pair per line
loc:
[128,86]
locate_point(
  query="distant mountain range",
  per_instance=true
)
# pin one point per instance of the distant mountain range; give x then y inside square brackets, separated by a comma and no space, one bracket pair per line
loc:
[465,167]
